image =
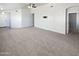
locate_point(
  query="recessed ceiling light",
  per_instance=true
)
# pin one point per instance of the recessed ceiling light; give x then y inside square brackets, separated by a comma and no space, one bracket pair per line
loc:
[2,12]
[1,8]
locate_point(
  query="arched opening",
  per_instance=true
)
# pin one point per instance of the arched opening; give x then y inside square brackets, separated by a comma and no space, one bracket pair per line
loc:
[72,20]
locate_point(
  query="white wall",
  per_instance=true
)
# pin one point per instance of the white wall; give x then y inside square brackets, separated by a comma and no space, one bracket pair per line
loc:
[16,19]
[56,20]
[21,18]
[27,18]
[4,19]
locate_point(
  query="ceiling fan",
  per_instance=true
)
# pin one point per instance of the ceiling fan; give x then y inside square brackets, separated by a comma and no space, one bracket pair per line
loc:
[32,5]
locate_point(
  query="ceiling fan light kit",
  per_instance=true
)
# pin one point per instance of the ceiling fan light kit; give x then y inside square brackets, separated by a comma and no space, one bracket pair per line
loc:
[32,6]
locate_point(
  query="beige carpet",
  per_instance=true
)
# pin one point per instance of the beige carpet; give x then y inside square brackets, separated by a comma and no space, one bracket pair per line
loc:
[37,42]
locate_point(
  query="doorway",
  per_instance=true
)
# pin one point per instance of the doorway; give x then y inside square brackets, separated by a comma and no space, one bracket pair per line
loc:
[33,18]
[73,23]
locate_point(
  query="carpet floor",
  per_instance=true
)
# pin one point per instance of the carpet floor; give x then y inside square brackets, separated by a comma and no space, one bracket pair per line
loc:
[37,42]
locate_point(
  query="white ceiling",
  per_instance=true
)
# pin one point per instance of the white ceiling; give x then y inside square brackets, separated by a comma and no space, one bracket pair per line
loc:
[12,5]
[16,5]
